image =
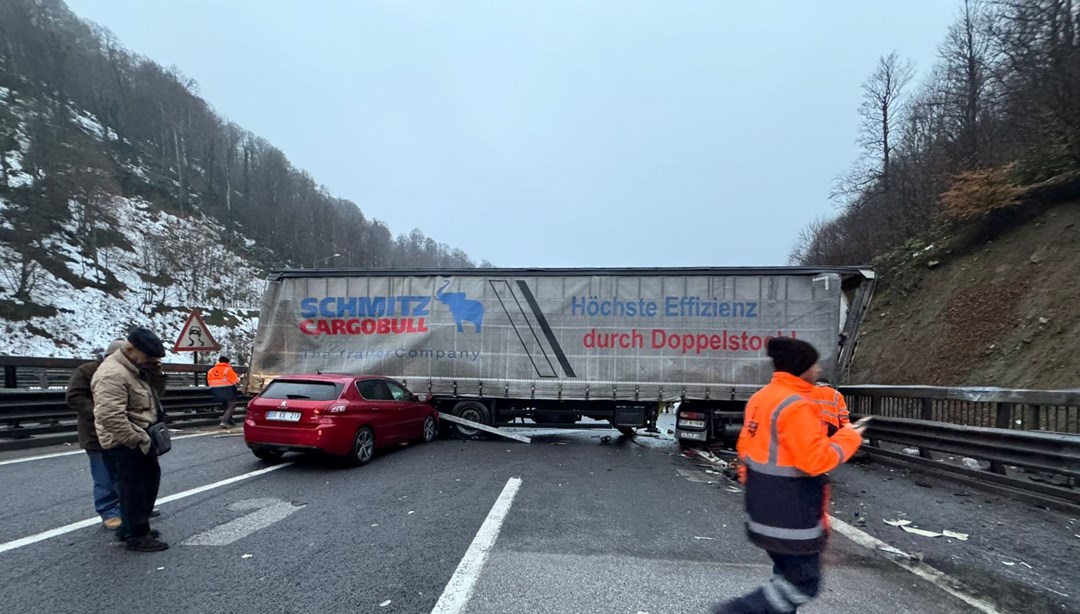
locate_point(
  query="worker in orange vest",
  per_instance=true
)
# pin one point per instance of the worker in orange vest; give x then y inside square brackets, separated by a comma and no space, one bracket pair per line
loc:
[786,453]
[222,381]
[834,410]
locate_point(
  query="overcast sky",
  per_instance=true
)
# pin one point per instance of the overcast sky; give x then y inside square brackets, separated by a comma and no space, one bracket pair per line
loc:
[551,132]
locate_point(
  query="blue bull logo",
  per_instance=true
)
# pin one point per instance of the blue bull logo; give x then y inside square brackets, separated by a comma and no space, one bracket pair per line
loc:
[463,309]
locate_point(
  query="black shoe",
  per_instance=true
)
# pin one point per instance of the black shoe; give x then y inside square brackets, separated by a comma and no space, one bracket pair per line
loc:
[154,513]
[146,543]
[126,538]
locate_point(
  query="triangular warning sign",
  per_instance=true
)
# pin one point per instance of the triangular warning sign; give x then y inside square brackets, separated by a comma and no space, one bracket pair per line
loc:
[195,337]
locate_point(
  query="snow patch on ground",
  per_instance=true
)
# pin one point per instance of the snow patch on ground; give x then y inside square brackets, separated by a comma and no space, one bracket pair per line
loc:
[89,317]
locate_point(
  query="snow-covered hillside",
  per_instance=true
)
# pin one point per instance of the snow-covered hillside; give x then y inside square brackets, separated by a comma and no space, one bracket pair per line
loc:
[153,271]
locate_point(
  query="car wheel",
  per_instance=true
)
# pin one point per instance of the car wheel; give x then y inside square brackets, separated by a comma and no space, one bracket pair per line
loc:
[431,428]
[363,447]
[470,410]
[270,456]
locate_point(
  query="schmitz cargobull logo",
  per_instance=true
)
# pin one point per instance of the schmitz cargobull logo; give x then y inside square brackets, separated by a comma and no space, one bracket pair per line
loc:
[365,315]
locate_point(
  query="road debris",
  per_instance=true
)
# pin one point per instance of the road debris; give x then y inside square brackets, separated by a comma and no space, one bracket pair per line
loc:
[906,526]
[896,551]
[970,463]
[161,569]
[385,603]
[246,556]
[712,539]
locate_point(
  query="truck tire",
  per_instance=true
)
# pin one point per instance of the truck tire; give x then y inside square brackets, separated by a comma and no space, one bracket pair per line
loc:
[470,410]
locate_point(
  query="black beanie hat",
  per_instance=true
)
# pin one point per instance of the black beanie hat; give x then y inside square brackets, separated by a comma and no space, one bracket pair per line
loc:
[146,342]
[792,356]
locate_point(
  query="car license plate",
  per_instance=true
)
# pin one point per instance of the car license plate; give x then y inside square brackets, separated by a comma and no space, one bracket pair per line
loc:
[692,435]
[693,424]
[287,416]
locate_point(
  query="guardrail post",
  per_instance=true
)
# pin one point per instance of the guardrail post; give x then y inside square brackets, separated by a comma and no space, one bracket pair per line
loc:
[10,381]
[926,409]
[875,410]
[1002,420]
[1031,418]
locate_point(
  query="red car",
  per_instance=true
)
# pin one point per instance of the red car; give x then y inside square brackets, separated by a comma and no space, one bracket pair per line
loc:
[344,415]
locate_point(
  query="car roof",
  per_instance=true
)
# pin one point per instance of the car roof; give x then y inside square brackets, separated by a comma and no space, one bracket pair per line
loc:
[339,378]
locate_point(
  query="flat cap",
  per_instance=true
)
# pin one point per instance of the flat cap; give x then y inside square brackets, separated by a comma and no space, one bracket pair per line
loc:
[146,342]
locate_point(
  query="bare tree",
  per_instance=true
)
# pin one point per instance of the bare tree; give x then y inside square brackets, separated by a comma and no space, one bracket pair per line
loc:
[880,111]
[965,55]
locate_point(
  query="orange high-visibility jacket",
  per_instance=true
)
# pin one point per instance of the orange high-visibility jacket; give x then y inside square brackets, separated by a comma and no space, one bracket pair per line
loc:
[786,454]
[221,374]
[834,411]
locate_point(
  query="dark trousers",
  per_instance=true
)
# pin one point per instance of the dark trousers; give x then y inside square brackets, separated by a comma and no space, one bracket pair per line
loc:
[138,480]
[226,396]
[796,580]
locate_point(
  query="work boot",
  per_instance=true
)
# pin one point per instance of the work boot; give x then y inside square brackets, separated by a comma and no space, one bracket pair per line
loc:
[112,524]
[146,543]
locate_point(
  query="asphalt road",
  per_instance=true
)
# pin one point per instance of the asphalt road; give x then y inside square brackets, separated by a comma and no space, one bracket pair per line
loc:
[628,526]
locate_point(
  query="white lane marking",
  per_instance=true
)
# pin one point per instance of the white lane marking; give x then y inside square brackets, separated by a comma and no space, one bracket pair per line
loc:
[267,512]
[73,452]
[924,571]
[460,587]
[89,522]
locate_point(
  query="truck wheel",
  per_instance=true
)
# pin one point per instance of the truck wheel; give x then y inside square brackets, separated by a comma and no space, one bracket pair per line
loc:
[474,411]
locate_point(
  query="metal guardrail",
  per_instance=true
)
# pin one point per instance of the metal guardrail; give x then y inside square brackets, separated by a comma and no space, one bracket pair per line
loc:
[1002,408]
[35,418]
[1023,435]
[22,372]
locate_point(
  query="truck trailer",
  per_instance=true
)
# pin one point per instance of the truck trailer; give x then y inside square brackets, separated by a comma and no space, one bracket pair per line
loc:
[562,347]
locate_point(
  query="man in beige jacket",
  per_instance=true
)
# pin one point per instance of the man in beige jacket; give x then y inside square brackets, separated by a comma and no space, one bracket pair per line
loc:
[125,404]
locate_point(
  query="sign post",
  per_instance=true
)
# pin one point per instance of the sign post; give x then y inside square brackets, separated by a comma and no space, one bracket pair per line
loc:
[195,337]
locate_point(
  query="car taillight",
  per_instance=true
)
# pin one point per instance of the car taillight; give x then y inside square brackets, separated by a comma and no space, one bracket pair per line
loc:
[692,415]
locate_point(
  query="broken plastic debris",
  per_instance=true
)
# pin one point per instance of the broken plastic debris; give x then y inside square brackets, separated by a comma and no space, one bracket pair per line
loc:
[412,512]
[891,550]
[921,532]
[384,604]
[161,569]
[733,489]
[903,524]
[970,463]
[1008,563]
[246,556]
[708,538]
[911,451]
[1026,565]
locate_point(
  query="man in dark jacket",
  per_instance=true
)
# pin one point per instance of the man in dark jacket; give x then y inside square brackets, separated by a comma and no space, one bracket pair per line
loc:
[80,399]
[125,405]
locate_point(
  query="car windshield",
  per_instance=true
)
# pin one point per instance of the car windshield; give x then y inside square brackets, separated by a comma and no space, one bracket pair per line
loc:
[292,389]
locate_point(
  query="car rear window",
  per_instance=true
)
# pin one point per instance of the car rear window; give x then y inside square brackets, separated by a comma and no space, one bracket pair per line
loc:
[311,391]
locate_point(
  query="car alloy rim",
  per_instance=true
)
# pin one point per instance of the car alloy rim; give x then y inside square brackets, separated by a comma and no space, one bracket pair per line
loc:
[429,428]
[365,445]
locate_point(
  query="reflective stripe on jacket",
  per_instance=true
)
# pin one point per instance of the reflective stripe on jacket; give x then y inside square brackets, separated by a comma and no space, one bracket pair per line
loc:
[221,374]
[786,454]
[834,411]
